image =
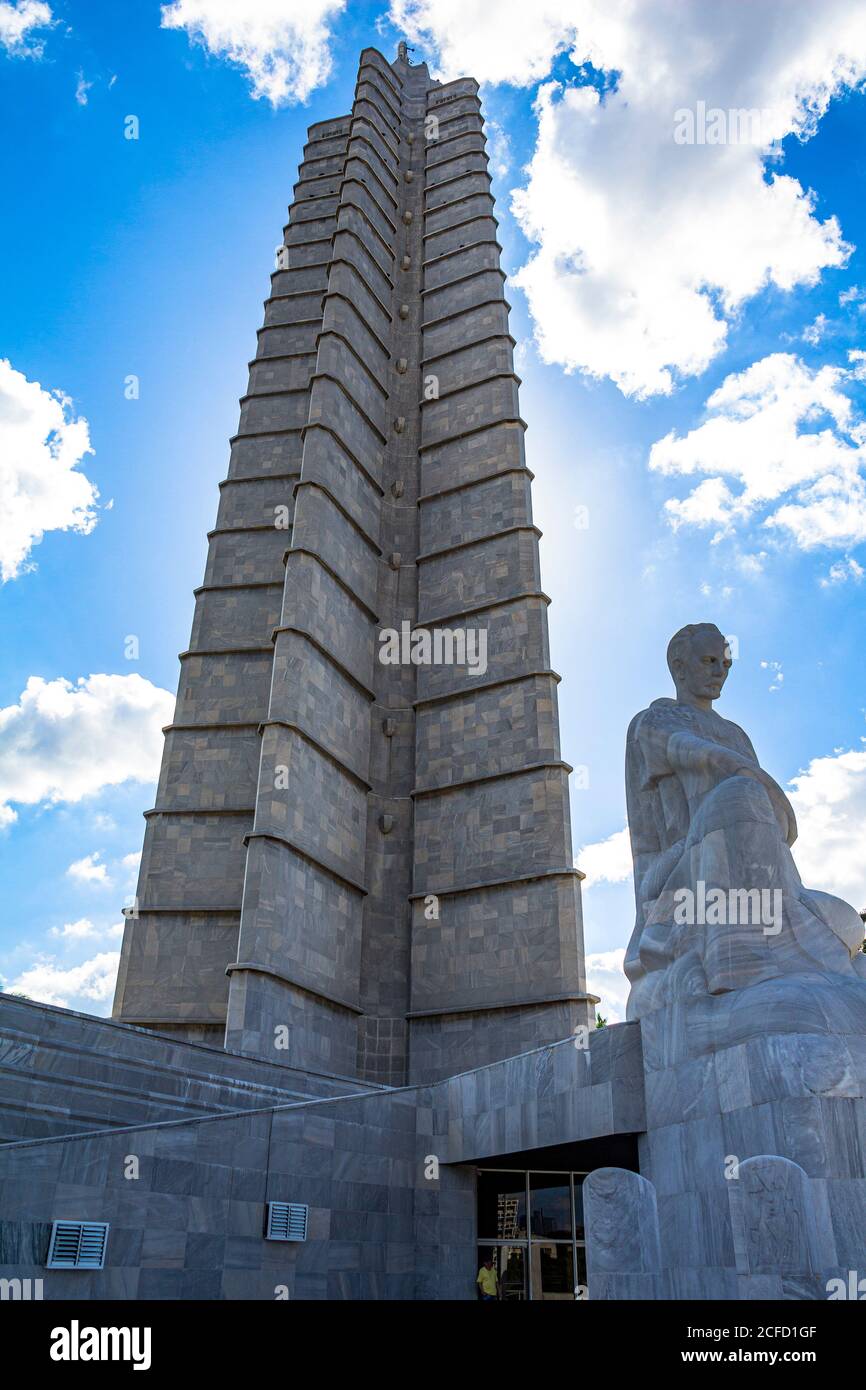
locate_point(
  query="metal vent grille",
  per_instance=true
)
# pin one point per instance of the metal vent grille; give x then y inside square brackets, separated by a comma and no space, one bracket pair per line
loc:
[78,1245]
[287,1221]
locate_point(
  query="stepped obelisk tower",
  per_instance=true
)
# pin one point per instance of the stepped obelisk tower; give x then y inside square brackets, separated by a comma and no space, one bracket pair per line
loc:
[354,865]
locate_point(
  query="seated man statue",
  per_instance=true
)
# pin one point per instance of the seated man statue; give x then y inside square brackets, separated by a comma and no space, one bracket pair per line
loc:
[720,904]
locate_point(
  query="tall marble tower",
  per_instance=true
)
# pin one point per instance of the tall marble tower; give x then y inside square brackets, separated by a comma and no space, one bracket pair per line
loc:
[355,864]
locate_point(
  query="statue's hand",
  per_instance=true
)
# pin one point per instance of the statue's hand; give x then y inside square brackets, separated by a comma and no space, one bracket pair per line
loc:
[691,754]
[782,808]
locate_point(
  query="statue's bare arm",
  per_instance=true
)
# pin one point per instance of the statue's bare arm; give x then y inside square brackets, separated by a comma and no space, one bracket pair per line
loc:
[688,753]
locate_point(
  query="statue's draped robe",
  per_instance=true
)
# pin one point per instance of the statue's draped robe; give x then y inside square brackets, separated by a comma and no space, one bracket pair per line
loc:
[703,816]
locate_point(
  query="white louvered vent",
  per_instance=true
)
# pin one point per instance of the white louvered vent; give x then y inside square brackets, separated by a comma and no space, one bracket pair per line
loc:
[287,1221]
[78,1245]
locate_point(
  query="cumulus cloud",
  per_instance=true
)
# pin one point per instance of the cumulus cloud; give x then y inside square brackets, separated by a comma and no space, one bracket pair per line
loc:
[75,931]
[85,930]
[131,864]
[782,443]
[64,741]
[89,870]
[646,247]
[77,986]
[463,39]
[282,45]
[18,22]
[605,977]
[829,799]
[606,861]
[41,489]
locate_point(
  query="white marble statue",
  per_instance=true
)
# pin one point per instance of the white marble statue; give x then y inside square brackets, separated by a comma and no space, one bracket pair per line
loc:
[720,904]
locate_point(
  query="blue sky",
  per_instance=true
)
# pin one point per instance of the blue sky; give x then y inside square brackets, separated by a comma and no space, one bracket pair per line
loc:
[688,319]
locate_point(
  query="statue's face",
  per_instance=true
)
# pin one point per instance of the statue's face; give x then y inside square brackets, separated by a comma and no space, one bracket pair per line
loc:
[704,667]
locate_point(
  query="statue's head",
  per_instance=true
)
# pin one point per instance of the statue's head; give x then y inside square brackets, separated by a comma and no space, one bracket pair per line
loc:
[699,659]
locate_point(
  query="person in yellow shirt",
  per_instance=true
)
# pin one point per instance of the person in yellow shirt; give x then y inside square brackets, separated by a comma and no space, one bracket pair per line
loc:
[488,1282]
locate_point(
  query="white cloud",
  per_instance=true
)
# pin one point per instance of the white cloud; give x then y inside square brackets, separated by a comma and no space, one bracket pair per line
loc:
[607,861]
[41,446]
[131,864]
[89,870]
[783,444]
[815,331]
[76,931]
[81,89]
[17,24]
[85,930]
[283,45]
[646,248]
[841,571]
[853,295]
[605,977]
[498,149]
[76,986]
[777,675]
[493,47]
[62,742]
[829,800]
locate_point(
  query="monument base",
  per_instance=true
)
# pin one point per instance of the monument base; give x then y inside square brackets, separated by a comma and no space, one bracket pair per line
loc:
[753,1165]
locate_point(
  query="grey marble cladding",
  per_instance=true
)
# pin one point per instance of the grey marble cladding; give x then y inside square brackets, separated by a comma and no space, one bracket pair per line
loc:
[224,688]
[194,860]
[478,733]
[258,502]
[245,557]
[343,317]
[325,703]
[288,373]
[502,828]
[470,407]
[263,1008]
[233,617]
[301,922]
[175,963]
[480,572]
[473,365]
[328,821]
[472,459]
[265,453]
[496,945]
[448,212]
[478,321]
[382,1224]
[279,410]
[321,527]
[79,1073]
[315,603]
[336,358]
[517,645]
[469,259]
[327,463]
[209,769]
[449,239]
[356,765]
[493,504]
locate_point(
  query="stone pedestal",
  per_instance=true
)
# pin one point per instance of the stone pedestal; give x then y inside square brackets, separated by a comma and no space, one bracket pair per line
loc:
[755,1147]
